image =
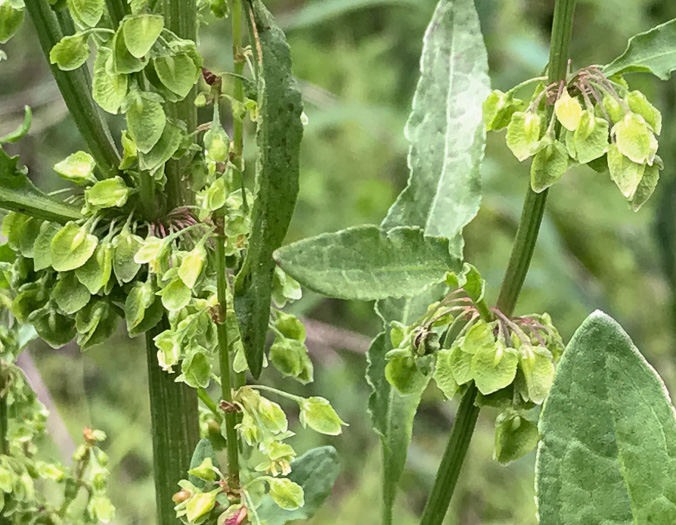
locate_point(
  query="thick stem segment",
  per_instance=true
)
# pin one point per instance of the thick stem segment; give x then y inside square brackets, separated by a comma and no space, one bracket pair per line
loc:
[75,87]
[515,275]
[175,429]
[224,358]
[181,18]
[4,442]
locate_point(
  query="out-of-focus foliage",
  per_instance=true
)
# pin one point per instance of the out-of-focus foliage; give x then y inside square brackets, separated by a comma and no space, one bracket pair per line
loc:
[358,66]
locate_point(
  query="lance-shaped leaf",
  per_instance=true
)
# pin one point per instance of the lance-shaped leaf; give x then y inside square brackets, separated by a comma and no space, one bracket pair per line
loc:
[278,138]
[316,472]
[18,193]
[445,128]
[391,412]
[366,263]
[608,449]
[651,52]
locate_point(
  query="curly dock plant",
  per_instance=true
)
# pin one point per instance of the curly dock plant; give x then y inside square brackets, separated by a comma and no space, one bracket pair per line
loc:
[606,431]
[164,228]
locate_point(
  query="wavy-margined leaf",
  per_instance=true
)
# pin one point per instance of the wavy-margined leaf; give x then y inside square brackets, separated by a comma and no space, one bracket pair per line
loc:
[17,193]
[367,263]
[391,412]
[445,128]
[653,51]
[316,472]
[608,449]
[278,138]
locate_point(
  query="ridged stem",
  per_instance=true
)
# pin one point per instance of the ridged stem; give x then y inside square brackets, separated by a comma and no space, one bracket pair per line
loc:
[515,275]
[175,430]
[181,18]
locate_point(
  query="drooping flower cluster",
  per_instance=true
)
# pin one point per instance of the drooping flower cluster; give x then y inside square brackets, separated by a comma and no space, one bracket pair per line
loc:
[460,341]
[595,120]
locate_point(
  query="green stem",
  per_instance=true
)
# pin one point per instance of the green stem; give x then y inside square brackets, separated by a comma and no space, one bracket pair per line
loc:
[76,91]
[175,430]
[205,398]
[517,268]
[117,9]
[224,357]
[238,91]
[181,18]
[451,462]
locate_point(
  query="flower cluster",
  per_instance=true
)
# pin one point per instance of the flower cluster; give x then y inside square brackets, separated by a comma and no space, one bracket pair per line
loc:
[596,120]
[460,341]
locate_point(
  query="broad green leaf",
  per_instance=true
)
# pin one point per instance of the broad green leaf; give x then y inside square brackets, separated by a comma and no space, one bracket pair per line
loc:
[141,32]
[365,263]
[549,165]
[146,121]
[70,52]
[391,412]
[278,138]
[96,272]
[316,472]
[86,12]
[445,128]
[71,247]
[139,299]
[607,453]
[178,73]
[18,193]
[651,52]
[523,134]
[624,172]
[77,168]
[108,193]
[70,295]
[11,19]
[108,88]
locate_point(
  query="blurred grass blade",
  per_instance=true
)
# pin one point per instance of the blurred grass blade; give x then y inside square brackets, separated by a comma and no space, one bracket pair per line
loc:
[22,130]
[319,11]
[653,52]
[278,137]
[446,128]
[608,435]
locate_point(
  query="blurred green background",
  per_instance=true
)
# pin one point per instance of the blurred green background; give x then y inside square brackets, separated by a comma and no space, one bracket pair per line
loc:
[357,61]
